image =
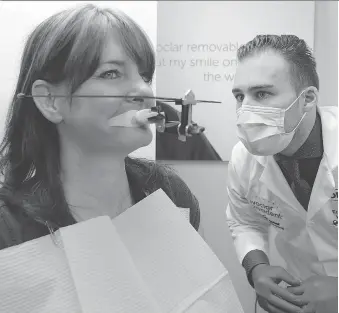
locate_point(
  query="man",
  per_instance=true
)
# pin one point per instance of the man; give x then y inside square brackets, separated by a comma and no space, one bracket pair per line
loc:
[283,178]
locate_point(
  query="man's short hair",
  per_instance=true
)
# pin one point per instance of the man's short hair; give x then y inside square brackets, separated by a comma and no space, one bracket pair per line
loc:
[293,49]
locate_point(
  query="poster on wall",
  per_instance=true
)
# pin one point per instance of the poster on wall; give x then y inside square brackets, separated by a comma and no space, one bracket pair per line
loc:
[197,44]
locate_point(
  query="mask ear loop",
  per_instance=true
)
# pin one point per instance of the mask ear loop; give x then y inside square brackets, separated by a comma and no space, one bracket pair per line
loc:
[294,129]
[295,100]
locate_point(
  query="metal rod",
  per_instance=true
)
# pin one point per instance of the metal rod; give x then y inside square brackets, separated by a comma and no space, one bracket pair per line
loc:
[21,95]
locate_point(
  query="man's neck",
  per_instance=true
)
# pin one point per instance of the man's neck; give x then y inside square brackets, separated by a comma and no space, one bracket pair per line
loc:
[94,185]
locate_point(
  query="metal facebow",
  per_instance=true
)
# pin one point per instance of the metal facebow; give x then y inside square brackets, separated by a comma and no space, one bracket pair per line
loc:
[184,128]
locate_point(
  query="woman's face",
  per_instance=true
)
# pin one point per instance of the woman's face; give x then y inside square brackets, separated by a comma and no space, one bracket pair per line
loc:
[86,120]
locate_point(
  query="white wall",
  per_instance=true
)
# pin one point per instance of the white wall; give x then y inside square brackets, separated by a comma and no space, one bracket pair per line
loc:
[326,50]
[19,18]
[222,23]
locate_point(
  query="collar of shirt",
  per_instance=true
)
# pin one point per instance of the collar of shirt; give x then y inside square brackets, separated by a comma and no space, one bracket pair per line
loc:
[312,147]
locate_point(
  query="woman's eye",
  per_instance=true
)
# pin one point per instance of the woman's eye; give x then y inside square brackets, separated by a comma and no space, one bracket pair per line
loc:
[146,78]
[112,74]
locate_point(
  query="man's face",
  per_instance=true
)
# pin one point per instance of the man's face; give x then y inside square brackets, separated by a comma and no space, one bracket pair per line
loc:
[264,80]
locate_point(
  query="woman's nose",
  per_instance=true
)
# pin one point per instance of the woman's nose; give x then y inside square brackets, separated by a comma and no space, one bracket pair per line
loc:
[141,97]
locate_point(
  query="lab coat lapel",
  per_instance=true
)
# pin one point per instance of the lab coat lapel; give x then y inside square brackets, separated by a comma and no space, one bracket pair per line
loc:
[323,188]
[327,175]
[275,181]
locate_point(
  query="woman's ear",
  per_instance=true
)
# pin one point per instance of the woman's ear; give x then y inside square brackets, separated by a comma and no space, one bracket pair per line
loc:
[42,95]
[311,96]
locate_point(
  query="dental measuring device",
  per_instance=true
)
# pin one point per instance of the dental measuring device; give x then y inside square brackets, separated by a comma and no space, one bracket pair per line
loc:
[184,128]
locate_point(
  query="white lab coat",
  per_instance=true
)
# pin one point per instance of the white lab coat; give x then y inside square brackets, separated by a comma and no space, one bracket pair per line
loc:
[264,214]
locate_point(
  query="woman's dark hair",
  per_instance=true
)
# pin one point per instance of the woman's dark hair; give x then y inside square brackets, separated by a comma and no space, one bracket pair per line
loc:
[64,48]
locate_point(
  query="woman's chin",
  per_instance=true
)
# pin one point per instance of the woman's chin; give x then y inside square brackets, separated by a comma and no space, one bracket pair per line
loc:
[130,138]
[142,136]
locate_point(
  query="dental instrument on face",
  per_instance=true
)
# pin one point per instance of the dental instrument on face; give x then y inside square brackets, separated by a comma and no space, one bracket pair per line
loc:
[184,128]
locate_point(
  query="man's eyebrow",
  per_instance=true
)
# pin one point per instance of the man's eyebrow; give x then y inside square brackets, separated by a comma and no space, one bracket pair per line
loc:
[253,88]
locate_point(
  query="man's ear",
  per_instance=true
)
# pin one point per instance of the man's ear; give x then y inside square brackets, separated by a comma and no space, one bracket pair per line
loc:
[311,96]
[42,93]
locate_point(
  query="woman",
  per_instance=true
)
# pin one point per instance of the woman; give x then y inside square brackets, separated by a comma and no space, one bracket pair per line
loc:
[62,160]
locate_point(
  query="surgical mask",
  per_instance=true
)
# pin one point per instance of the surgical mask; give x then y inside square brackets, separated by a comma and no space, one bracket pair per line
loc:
[262,129]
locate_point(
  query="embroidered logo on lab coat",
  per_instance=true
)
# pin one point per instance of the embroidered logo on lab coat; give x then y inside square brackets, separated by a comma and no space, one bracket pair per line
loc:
[334,200]
[269,210]
[335,195]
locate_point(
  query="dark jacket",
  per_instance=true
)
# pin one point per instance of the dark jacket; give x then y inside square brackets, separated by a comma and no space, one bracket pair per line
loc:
[168,147]
[144,178]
